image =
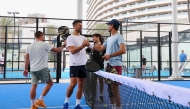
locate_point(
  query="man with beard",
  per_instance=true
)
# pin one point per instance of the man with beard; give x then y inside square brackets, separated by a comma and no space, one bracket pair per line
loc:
[76,44]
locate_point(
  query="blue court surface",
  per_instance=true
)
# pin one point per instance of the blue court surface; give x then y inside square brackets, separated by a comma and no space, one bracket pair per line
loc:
[16,96]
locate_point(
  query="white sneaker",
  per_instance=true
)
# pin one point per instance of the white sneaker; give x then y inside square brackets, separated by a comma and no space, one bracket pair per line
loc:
[119,107]
[182,74]
[113,106]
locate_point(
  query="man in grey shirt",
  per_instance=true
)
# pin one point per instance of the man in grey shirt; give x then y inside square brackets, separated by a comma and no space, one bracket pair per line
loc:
[37,56]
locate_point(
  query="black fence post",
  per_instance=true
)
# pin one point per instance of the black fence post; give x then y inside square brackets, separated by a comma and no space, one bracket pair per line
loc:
[5,54]
[121,32]
[129,59]
[37,25]
[18,50]
[159,59]
[141,48]
[151,54]
[44,31]
[127,55]
[64,60]
[58,71]
[170,53]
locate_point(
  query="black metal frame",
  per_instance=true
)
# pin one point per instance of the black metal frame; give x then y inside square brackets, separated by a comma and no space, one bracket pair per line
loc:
[59,56]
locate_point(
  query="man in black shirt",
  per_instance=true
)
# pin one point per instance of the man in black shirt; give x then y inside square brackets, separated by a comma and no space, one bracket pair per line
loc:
[97,57]
[143,63]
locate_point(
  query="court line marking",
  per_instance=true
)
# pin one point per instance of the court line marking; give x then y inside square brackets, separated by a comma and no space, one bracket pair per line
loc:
[55,107]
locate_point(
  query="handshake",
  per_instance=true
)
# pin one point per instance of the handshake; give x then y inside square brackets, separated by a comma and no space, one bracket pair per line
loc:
[85,43]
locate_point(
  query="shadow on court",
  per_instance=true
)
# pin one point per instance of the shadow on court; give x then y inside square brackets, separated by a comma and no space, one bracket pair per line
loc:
[16,96]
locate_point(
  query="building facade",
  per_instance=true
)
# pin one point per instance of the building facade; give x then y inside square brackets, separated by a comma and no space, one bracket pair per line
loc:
[134,11]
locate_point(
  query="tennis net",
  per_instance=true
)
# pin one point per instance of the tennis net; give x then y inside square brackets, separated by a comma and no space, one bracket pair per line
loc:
[133,93]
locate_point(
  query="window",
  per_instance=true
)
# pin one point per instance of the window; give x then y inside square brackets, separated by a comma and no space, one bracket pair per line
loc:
[152,16]
[151,8]
[163,6]
[132,11]
[141,2]
[141,10]
[124,13]
[184,3]
[124,6]
[132,4]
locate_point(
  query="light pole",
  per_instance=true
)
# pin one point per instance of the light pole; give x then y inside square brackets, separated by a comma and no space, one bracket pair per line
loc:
[14,35]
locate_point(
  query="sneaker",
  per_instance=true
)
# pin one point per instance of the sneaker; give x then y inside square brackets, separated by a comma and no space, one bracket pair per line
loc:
[65,105]
[34,106]
[78,107]
[101,99]
[41,103]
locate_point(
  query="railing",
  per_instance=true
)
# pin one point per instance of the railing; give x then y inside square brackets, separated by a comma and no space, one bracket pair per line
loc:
[153,40]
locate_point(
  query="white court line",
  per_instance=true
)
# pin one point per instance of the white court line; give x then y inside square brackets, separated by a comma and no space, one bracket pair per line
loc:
[55,107]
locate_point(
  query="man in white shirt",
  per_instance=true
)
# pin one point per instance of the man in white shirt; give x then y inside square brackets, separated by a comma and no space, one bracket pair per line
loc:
[76,44]
[1,63]
[37,56]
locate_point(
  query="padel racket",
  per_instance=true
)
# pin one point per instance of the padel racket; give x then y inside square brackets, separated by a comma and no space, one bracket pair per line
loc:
[63,32]
[110,69]
[91,66]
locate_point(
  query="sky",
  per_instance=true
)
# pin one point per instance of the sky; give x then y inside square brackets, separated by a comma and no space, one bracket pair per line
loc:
[51,8]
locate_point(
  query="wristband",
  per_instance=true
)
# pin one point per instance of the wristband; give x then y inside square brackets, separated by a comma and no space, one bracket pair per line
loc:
[91,46]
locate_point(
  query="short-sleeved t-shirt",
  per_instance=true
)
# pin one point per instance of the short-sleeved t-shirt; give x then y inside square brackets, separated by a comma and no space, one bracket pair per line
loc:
[38,55]
[112,45]
[78,58]
[182,57]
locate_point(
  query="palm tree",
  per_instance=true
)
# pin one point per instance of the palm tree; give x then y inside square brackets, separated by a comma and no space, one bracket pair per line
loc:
[5,22]
[100,28]
[51,31]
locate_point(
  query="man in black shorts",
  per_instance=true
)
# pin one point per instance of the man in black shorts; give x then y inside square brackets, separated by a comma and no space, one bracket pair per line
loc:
[97,57]
[76,44]
[143,63]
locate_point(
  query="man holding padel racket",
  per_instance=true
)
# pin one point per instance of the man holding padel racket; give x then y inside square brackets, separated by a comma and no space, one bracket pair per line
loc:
[115,47]
[76,44]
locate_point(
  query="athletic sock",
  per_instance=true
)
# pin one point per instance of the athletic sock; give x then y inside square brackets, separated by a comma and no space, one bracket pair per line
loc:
[32,102]
[77,102]
[41,97]
[67,99]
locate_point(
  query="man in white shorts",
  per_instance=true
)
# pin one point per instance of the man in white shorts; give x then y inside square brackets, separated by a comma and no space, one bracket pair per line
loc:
[37,56]
[76,44]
